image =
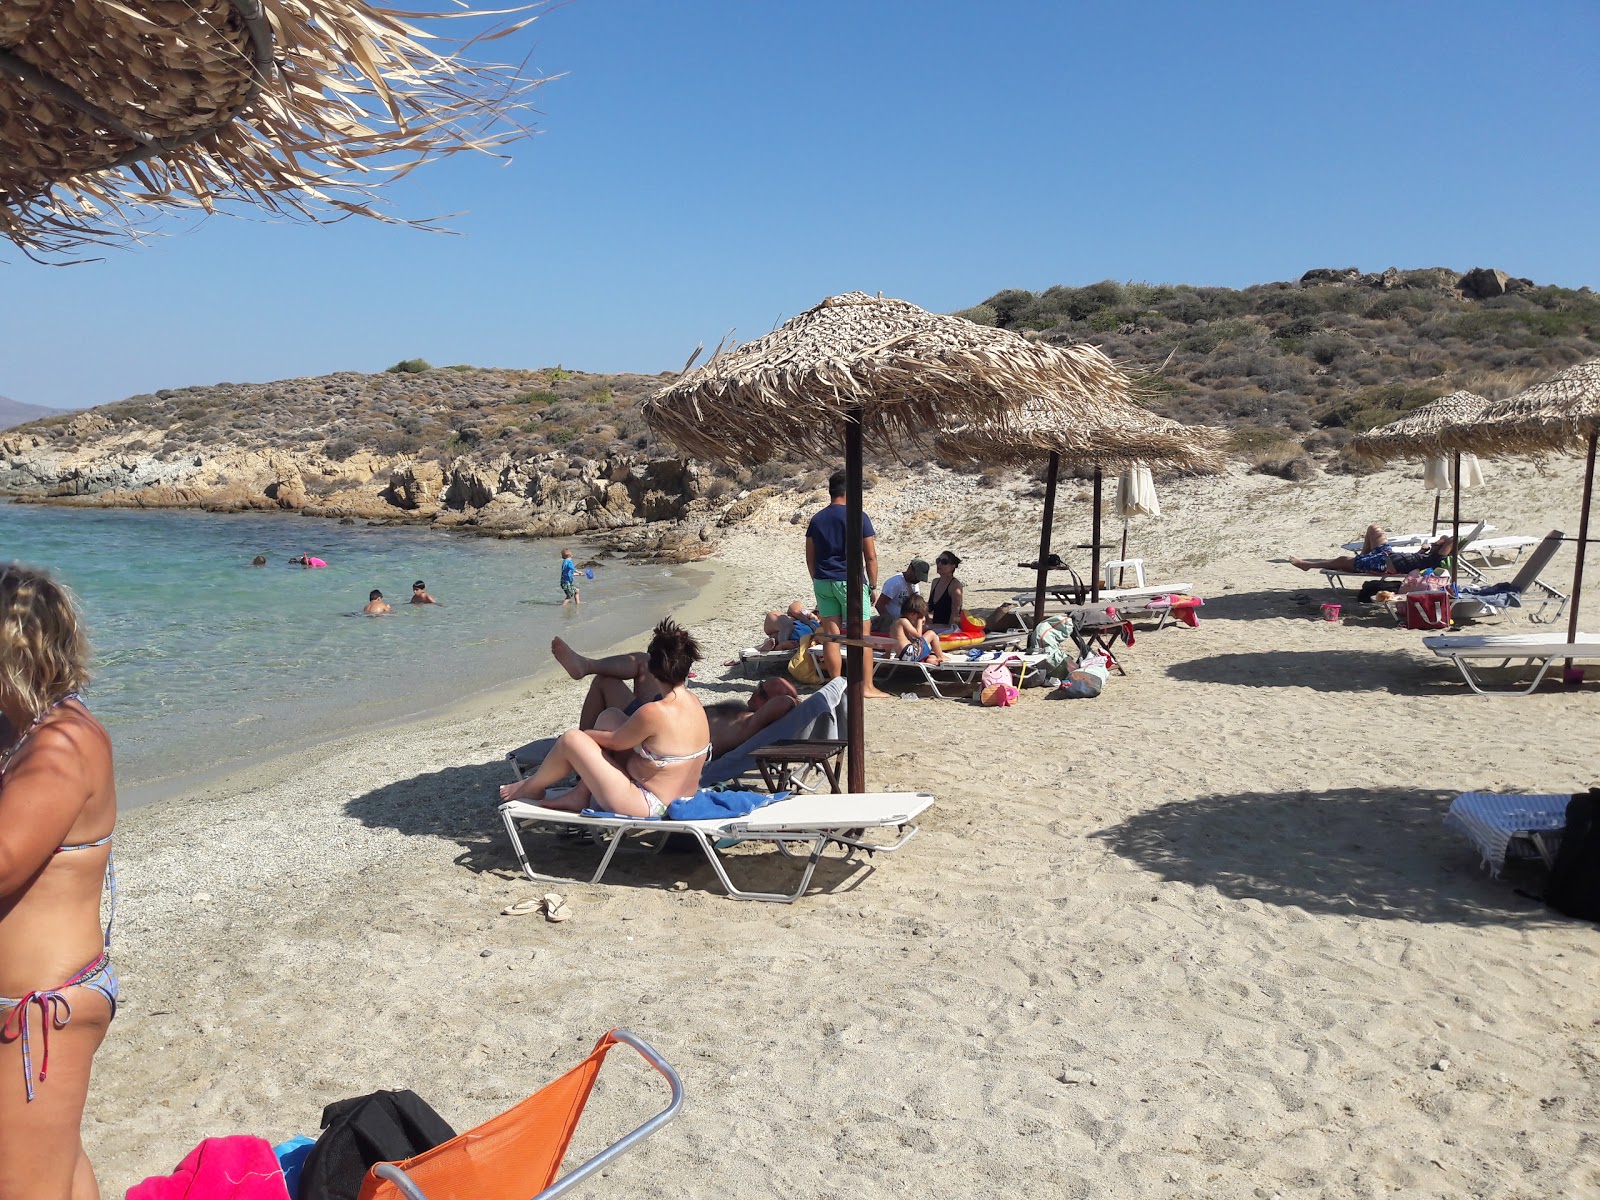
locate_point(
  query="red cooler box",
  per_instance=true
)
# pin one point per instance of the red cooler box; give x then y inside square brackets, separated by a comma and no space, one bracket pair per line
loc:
[1426,610]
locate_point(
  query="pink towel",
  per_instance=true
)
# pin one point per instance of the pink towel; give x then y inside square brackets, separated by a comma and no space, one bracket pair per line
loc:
[230,1168]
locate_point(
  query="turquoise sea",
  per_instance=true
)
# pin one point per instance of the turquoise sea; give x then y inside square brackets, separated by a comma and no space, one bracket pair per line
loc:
[205,664]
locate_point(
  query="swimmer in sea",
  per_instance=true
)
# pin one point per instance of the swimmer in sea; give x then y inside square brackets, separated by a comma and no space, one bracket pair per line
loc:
[419,594]
[376,604]
[307,560]
[259,560]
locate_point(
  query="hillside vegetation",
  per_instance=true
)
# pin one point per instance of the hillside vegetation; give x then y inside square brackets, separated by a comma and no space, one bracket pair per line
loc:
[1293,369]
[1299,367]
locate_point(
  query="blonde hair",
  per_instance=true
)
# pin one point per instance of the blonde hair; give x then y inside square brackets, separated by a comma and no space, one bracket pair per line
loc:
[43,651]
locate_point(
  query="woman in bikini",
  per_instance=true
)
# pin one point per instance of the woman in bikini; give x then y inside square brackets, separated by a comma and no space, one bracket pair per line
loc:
[662,745]
[947,596]
[58,803]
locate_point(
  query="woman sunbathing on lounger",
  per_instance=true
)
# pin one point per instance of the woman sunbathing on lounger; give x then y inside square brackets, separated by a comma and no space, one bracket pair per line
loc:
[1377,558]
[668,736]
[914,638]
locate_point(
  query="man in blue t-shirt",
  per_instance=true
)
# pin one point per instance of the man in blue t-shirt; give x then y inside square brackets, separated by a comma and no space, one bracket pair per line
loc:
[825,559]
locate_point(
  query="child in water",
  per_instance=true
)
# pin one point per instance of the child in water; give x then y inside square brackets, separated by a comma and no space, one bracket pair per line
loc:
[569,578]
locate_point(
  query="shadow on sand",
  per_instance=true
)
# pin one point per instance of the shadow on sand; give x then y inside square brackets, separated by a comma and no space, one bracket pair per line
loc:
[462,805]
[1368,852]
[1320,670]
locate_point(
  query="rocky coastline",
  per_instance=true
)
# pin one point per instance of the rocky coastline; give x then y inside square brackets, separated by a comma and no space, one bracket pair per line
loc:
[638,503]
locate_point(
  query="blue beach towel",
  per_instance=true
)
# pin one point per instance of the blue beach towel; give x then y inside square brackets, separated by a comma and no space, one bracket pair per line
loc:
[292,1160]
[708,804]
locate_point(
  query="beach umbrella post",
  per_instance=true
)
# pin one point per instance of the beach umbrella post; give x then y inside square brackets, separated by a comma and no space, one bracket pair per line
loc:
[1052,471]
[1136,497]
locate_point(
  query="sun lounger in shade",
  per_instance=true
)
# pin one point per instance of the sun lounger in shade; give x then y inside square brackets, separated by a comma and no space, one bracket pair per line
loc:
[810,823]
[1521,652]
[519,1153]
[1504,826]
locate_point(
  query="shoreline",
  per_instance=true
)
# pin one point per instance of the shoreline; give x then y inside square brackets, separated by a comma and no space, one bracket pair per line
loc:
[222,782]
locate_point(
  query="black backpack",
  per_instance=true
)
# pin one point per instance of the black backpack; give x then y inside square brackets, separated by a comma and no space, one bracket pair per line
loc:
[1574,886]
[382,1127]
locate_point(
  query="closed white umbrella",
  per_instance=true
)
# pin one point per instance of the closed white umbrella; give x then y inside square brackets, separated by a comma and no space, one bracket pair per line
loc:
[1136,497]
[1436,478]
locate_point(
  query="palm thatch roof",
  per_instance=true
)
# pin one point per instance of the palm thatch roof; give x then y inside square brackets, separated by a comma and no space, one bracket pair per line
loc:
[1561,413]
[1109,436]
[1422,433]
[298,106]
[910,372]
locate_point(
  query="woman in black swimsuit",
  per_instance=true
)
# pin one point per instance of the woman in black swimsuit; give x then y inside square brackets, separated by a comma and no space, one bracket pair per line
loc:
[947,596]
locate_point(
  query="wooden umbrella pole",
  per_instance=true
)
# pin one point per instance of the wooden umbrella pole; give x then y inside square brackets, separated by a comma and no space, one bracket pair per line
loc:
[1437,496]
[1455,521]
[1044,537]
[1583,544]
[1094,550]
[1122,572]
[856,664]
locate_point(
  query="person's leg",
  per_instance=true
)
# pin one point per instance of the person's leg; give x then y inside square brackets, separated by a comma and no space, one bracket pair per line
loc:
[41,1152]
[606,693]
[935,654]
[1345,562]
[605,785]
[832,657]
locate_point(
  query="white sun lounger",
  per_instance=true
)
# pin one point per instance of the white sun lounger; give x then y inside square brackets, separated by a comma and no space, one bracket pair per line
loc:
[1522,650]
[960,673]
[1504,826]
[1526,580]
[801,821]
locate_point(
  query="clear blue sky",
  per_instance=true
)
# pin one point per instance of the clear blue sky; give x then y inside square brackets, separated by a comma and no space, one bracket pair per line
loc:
[723,164]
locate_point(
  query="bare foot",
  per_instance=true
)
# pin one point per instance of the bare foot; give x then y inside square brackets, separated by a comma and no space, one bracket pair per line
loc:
[571,661]
[522,790]
[873,693]
[1301,563]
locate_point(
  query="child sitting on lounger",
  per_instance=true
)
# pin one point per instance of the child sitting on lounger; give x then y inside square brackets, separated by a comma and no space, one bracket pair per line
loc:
[1376,557]
[914,641]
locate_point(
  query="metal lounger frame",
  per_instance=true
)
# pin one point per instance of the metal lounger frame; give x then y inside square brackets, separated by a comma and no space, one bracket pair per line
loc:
[395,1175]
[707,834]
[1459,655]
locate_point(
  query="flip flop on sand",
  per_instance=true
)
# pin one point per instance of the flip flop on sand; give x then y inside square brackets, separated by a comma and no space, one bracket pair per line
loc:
[555,908]
[523,907]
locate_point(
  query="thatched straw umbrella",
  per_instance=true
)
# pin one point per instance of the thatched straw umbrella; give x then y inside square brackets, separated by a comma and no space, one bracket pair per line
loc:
[297,106]
[1563,414]
[1109,435]
[857,369]
[1424,433]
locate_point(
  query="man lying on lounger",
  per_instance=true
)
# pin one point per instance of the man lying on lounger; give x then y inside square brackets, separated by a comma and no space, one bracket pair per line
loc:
[622,682]
[1377,558]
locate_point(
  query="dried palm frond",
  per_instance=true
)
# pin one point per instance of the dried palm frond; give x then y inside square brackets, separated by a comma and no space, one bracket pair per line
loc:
[1559,414]
[1423,433]
[302,107]
[1111,437]
[909,375]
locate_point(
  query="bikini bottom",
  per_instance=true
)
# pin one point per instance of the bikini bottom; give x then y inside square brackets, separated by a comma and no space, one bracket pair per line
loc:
[55,1010]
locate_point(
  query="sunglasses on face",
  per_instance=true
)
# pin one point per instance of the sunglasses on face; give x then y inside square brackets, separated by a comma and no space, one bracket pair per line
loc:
[945,562]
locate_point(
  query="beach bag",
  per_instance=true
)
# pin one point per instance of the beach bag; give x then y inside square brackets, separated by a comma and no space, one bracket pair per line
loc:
[1574,887]
[997,690]
[381,1127]
[1426,610]
[802,666]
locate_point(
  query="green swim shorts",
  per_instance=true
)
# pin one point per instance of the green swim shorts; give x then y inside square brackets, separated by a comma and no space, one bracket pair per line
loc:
[832,595]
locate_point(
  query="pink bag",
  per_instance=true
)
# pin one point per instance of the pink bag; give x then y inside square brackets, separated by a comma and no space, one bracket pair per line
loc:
[998,691]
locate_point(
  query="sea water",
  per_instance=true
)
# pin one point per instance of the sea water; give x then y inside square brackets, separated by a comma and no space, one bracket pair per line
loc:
[203,664]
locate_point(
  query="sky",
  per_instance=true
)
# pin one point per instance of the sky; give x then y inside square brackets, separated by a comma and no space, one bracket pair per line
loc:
[710,167]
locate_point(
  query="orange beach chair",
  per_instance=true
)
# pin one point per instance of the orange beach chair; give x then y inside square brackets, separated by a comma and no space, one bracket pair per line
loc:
[516,1155]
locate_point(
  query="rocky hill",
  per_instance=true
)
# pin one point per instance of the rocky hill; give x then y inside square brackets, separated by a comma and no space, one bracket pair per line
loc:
[1292,368]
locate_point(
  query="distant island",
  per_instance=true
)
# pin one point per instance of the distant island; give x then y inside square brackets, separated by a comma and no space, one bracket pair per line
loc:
[15,412]
[1293,369]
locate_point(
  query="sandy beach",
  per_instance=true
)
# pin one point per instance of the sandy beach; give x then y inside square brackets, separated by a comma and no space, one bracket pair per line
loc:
[1202,936]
